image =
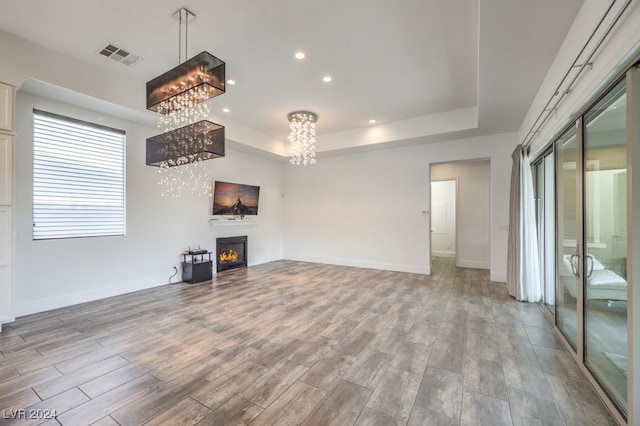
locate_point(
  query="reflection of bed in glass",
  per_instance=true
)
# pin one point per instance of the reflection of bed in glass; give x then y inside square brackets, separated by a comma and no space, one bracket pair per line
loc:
[602,283]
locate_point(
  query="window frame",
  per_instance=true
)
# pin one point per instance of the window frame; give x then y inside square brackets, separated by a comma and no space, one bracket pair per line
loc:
[72,191]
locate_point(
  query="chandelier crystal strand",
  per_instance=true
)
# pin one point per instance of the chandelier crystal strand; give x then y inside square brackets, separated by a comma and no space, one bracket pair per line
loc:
[302,136]
[186,176]
[183,110]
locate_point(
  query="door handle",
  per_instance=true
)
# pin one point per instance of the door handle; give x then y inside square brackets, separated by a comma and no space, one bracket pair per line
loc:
[590,267]
[575,261]
[574,264]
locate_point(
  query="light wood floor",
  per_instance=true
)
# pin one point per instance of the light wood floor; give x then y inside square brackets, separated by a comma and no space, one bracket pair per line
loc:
[298,343]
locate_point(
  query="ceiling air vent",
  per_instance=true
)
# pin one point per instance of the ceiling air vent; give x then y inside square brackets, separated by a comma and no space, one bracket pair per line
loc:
[118,54]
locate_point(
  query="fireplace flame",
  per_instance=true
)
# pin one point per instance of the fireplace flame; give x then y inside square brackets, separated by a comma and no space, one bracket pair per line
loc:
[229,256]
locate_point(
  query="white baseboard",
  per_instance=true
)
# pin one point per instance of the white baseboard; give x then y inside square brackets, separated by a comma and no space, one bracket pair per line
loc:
[356,263]
[56,302]
[500,278]
[473,264]
[443,253]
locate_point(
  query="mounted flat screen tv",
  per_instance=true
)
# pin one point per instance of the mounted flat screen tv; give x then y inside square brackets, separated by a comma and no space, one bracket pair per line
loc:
[235,199]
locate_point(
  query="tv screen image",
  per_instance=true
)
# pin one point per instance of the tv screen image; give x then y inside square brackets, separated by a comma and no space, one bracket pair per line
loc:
[235,199]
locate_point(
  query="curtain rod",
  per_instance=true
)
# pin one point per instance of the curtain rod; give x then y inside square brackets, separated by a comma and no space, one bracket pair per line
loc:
[540,121]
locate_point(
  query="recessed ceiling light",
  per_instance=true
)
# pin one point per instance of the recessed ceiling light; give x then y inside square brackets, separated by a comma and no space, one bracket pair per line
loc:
[372,121]
[226,109]
[231,82]
[300,55]
[326,79]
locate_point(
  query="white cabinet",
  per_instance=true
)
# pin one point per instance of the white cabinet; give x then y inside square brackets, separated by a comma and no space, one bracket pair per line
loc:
[6,250]
[6,170]
[6,107]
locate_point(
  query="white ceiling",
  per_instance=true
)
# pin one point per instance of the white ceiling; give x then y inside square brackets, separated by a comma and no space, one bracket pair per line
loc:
[390,60]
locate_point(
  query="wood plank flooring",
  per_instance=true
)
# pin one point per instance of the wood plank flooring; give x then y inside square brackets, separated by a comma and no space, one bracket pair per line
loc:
[290,343]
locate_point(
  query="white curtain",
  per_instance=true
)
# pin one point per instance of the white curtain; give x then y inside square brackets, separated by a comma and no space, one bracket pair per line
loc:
[523,270]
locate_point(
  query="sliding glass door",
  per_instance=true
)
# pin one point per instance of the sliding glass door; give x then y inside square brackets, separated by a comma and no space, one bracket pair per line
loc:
[568,234]
[582,218]
[605,229]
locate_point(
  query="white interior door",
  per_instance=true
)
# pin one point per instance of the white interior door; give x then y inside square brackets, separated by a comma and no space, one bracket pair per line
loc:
[443,218]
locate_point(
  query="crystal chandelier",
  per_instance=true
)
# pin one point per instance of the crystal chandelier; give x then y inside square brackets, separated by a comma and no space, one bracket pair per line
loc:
[180,96]
[302,135]
[193,81]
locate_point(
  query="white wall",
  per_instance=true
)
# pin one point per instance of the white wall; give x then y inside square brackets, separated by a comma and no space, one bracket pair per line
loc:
[55,273]
[443,217]
[366,209]
[474,210]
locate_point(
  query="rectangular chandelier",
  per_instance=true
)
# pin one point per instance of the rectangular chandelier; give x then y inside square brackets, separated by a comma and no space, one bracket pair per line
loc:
[203,140]
[196,80]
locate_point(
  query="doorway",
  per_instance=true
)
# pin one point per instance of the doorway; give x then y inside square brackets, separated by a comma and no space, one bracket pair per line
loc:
[443,218]
[460,230]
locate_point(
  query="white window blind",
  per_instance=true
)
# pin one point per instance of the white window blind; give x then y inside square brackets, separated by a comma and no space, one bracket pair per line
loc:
[78,178]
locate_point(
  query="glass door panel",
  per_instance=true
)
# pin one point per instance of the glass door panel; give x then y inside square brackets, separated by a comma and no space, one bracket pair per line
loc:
[545,220]
[605,262]
[549,243]
[567,244]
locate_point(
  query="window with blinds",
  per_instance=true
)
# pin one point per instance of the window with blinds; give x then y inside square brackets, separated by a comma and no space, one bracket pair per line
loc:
[78,178]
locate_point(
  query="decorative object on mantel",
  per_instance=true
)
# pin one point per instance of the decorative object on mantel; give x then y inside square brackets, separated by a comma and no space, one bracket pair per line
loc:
[302,127]
[230,221]
[180,96]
